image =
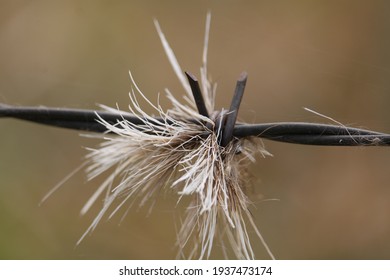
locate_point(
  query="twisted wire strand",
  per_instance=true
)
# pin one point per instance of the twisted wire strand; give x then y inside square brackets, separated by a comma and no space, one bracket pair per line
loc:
[290,132]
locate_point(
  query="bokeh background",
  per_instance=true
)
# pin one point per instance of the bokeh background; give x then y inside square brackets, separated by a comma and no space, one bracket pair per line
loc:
[317,202]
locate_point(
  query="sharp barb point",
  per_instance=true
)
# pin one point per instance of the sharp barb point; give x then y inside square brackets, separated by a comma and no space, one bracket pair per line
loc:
[227,134]
[197,94]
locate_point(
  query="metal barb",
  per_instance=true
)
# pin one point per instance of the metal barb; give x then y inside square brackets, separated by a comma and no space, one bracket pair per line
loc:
[197,93]
[231,117]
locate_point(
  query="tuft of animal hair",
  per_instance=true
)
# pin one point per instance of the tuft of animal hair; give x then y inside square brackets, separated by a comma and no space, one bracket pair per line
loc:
[173,153]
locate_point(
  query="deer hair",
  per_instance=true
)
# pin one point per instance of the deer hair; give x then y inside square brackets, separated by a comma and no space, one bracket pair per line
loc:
[192,148]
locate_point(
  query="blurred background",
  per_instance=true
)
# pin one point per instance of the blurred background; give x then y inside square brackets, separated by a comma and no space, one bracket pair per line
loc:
[330,56]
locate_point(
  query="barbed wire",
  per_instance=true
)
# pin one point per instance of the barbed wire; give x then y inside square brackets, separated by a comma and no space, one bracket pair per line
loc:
[290,132]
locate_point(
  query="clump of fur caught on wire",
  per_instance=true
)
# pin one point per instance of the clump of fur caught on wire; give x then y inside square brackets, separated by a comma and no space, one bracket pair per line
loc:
[173,152]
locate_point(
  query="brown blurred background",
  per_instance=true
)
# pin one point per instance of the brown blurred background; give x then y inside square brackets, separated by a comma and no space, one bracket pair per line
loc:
[330,56]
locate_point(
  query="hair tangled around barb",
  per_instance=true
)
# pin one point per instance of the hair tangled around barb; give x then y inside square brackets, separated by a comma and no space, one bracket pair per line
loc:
[188,158]
[200,159]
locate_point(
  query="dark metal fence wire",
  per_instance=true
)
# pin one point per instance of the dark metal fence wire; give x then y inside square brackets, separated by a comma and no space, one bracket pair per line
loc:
[291,132]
